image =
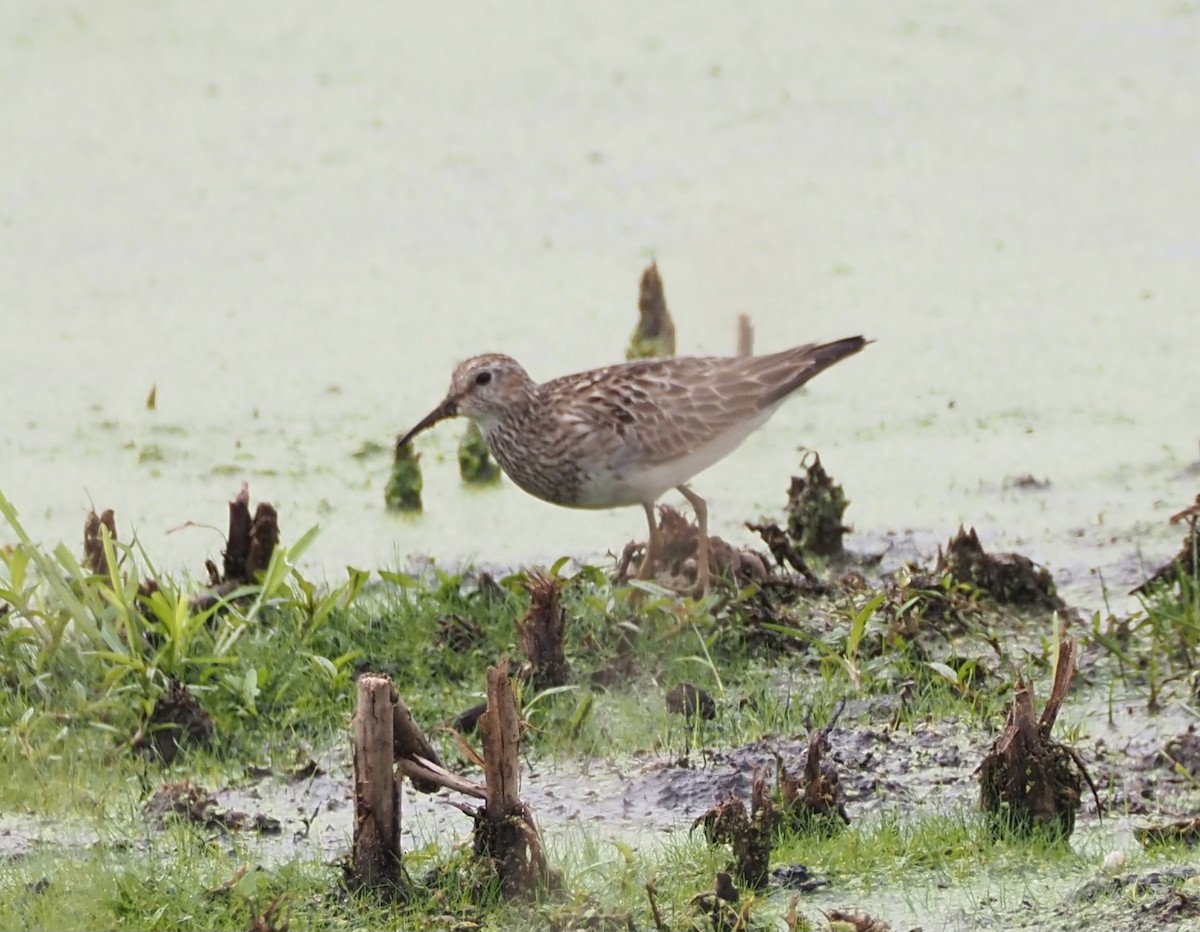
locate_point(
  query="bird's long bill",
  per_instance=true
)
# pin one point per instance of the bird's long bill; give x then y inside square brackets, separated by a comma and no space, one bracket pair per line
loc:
[448,408]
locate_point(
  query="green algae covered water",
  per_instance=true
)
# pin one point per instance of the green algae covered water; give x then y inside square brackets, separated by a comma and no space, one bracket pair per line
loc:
[292,220]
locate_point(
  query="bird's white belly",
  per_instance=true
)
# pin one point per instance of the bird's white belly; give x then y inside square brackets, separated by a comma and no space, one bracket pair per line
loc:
[612,485]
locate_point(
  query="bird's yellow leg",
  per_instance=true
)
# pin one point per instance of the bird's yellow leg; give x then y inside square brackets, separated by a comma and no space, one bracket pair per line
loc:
[700,507]
[653,544]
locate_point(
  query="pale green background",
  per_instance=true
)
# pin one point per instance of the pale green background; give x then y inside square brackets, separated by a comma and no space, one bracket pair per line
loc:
[295,217]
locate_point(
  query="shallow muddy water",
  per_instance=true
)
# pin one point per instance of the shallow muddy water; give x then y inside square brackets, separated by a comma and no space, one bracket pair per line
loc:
[293,221]
[649,801]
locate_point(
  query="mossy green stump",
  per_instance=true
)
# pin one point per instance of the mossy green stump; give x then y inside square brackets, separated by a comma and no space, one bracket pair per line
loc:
[815,508]
[475,463]
[403,491]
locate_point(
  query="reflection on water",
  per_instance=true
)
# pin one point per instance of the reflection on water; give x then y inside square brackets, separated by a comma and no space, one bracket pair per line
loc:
[294,223]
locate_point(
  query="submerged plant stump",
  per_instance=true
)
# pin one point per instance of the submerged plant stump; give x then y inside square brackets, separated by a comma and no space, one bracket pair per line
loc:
[403,490]
[541,632]
[475,463]
[814,801]
[506,836]
[655,332]
[1008,578]
[782,549]
[749,835]
[94,557]
[251,541]
[249,546]
[178,721]
[375,861]
[676,564]
[1029,784]
[815,508]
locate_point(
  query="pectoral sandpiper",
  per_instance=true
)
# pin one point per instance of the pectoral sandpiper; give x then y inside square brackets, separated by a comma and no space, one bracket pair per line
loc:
[626,434]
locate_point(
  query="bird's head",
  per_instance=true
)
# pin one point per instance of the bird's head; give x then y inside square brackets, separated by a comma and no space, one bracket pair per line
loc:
[484,388]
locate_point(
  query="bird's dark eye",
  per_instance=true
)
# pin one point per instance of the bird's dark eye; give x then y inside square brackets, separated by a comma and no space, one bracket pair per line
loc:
[483,377]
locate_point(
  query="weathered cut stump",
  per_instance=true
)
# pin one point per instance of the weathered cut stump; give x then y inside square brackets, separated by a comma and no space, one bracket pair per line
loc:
[375,861]
[249,545]
[1029,784]
[410,744]
[506,835]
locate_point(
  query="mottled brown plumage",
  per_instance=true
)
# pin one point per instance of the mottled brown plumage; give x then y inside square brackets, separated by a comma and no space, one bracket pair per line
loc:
[626,434]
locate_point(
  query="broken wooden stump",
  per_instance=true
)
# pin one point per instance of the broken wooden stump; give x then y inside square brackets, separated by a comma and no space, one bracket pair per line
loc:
[541,632]
[506,836]
[410,743]
[375,861]
[1028,783]
[655,332]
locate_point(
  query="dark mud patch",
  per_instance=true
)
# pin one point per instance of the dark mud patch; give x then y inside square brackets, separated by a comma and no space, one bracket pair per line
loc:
[1130,902]
[690,701]
[193,803]
[646,800]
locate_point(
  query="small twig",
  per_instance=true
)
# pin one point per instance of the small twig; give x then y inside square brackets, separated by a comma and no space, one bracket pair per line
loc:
[652,895]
